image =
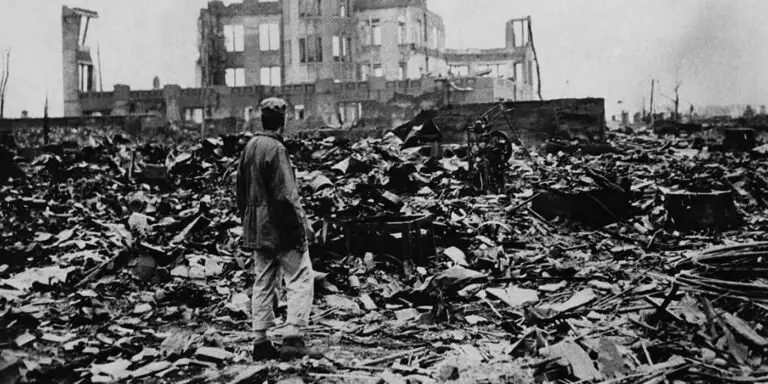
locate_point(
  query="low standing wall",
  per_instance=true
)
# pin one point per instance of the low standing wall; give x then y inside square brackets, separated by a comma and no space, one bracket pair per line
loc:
[536,121]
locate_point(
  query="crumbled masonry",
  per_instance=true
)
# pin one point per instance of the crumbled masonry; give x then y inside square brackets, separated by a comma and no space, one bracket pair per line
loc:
[120,262]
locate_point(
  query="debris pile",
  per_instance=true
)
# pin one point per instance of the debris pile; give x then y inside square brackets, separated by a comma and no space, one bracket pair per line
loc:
[121,262]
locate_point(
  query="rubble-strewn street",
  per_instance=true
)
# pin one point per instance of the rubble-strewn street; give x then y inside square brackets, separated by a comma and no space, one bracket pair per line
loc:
[122,263]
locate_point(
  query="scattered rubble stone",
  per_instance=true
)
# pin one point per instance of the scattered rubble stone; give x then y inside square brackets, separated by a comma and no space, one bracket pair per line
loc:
[125,264]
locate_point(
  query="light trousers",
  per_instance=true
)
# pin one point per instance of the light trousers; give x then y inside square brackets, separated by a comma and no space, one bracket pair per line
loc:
[295,268]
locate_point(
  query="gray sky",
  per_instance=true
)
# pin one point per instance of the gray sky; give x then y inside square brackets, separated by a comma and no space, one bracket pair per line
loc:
[596,48]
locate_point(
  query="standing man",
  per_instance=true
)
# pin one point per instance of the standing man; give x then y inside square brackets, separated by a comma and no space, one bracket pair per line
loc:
[275,228]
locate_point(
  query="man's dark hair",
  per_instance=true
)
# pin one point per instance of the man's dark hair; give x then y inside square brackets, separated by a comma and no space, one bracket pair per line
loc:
[272,122]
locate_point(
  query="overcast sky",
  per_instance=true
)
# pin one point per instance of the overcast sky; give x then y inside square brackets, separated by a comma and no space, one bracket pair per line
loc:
[595,48]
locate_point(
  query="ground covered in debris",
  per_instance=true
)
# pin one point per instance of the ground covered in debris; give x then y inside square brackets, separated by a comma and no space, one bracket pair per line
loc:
[121,263]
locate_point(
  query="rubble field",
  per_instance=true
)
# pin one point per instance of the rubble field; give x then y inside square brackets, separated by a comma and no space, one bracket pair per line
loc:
[120,262]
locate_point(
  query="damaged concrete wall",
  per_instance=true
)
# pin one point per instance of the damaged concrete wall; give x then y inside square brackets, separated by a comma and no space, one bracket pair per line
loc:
[537,121]
[375,103]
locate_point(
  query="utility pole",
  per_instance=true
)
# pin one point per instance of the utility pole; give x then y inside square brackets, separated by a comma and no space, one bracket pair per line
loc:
[46,122]
[651,106]
[677,101]
[98,58]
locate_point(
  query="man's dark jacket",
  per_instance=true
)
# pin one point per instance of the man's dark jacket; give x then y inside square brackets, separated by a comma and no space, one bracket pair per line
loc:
[268,196]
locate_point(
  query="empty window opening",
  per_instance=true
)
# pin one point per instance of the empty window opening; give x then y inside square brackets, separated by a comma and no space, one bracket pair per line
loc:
[234,38]
[87,83]
[248,113]
[419,32]
[270,76]
[459,70]
[375,32]
[303,50]
[194,115]
[269,37]
[346,44]
[310,50]
[401,37]
[310,8]
[530,72]
[319,50]
[235,77]
[519,72]
[520,33]
[336,48]
[493,70]
[288,52]
[350,112]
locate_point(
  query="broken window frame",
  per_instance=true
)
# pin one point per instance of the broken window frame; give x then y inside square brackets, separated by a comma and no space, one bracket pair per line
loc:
[234,37]
[377,70]
[299,112]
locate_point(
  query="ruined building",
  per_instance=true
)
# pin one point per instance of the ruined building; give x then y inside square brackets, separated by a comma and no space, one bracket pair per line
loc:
[339,63]
[77,63]
[272,43]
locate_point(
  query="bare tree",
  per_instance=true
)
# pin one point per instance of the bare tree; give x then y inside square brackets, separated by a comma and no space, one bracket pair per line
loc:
[5,73]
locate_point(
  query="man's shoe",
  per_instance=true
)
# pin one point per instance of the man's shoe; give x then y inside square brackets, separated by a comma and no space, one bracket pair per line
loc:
[264,350]
[295,348]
